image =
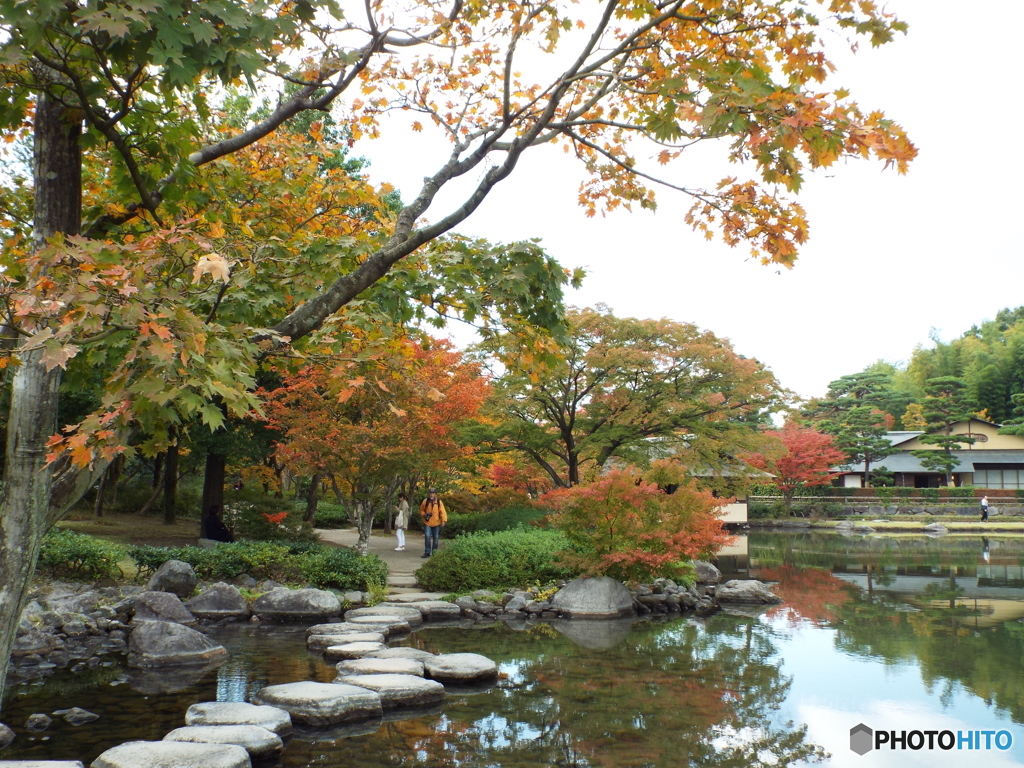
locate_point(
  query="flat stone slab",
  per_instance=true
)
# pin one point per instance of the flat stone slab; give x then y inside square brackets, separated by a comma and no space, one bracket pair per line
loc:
[399,690]
[40,764]
[351,650]
[320,704]
[239,713]
[258,742]
[401,653]
[366,666]
[433,610]
[460,668]
[409,613]
[394,624]
[414,596]
[173,754]
[401,580]
[339,628]
[320,642]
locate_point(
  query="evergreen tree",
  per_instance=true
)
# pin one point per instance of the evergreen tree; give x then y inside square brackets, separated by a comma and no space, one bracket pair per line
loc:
[946,403]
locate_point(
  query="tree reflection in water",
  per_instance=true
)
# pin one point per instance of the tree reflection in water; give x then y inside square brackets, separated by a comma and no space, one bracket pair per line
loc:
[671,694]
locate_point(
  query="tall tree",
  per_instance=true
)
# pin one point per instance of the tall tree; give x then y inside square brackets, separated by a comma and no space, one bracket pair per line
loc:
[946,402]
[635,389]
[137,73]
[857,412]
[803,458]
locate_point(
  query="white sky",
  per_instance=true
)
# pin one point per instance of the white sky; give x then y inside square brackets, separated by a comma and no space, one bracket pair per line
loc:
[890,257]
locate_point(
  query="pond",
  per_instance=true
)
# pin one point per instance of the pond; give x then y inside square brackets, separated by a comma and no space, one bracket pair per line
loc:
[897,632]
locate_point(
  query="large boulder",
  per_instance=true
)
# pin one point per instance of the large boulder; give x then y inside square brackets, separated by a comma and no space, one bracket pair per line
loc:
[398,690]
[748,591]
[173,576]
[162,606]
[6,736]
[460,668]
[173,754]
[706,572]
[220,601]
[34,641]
[320,704]
[311,605]
[239,713]
[595,598]
[165,643]
[260,743]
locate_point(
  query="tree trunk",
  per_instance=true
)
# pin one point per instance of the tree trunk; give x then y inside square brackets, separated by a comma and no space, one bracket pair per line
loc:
[213,487]
[158,470]
[312,496]
[365,526]
[97,508]
[114,477]
[25,500]
[171,485]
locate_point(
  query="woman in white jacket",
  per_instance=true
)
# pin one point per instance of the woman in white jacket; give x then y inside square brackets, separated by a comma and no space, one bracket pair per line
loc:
[401,521]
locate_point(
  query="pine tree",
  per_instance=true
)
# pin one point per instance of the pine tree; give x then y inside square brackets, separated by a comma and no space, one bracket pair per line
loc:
[946,402]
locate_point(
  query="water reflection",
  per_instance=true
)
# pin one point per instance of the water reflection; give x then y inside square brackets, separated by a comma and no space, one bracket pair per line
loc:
[869,627]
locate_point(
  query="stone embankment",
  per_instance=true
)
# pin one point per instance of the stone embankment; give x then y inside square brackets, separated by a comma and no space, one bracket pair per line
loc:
[168,643]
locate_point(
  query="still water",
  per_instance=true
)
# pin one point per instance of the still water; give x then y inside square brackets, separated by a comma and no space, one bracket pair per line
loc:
[900,633]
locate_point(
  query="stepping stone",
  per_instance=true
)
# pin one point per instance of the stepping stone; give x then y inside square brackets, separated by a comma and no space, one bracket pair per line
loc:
[402,580]
[432,610]
[403,597]
[322,703]
[460,668]
[239,713]
[258,742]
[394,624]
[399,690]
[320,642]
[337,628]
[410,614]
[366,666]
[173,754]
[401,653]
[351,650]
[40,764]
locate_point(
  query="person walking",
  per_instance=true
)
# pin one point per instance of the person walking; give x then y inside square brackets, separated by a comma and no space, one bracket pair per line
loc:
[434,516]
[401,521]
[984,508]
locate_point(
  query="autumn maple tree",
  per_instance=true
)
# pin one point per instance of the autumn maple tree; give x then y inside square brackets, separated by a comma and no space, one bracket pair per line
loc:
[621,387]
[802,458]
[368,426]
[133,85]
[623,526]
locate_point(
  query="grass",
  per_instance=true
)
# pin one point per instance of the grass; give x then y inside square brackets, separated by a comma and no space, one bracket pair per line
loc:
[135,529]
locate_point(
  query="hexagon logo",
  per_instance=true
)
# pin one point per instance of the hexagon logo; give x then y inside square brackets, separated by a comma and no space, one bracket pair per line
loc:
[860,739]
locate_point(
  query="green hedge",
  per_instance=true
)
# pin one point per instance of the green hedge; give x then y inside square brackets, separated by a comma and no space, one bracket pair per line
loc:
[330,516]
[327,567]
[66,554]
[495,560]
[504,519]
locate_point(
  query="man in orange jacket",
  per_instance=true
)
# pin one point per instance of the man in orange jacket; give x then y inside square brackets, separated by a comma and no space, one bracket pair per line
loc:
[434,516]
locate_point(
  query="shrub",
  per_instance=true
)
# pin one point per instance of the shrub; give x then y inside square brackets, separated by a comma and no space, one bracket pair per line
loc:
[66,554]
[496,560]
[267,521]
[632,530]
[931,494]
[504,519]
[326,567]
[342,568]
[964,492]
[330,516]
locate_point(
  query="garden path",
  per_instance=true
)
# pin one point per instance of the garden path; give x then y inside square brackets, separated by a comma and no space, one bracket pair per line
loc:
[401,565]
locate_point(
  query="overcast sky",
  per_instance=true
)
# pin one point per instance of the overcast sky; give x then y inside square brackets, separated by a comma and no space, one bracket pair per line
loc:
[890,257]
